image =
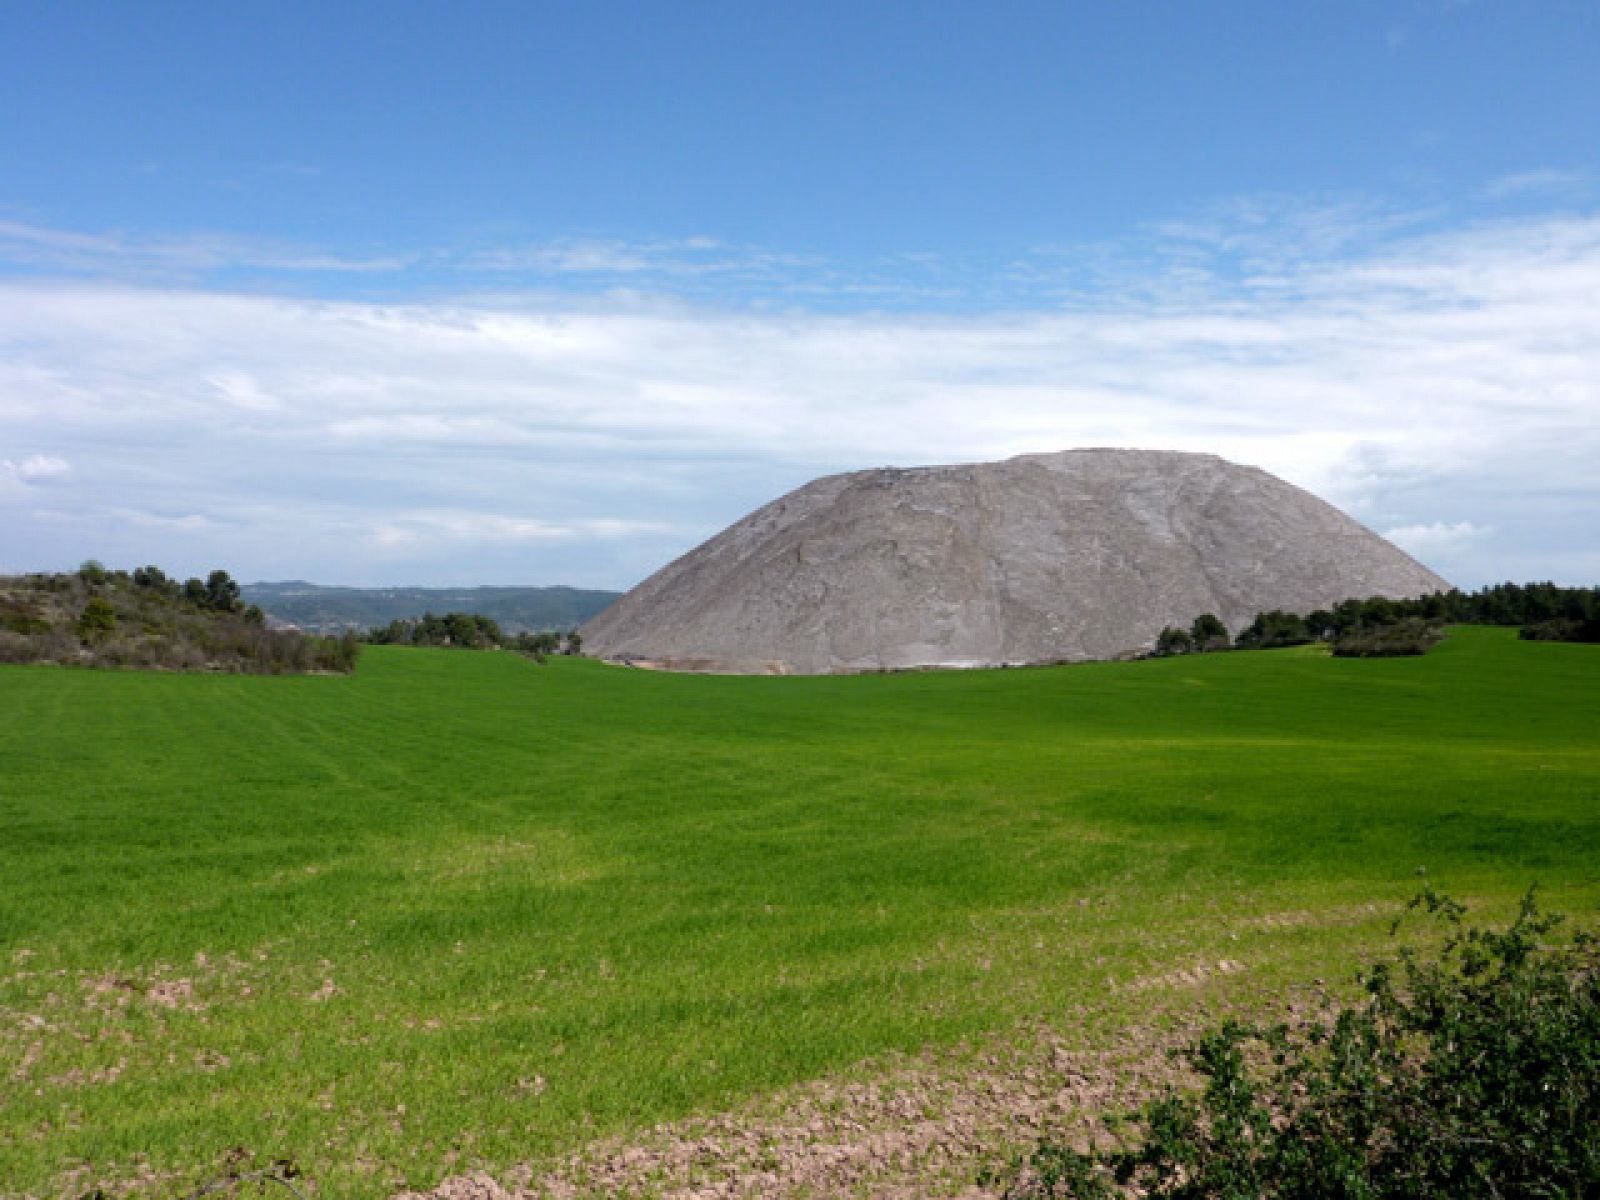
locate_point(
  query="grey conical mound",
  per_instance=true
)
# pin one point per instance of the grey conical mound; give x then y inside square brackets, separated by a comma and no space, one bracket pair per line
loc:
[1047,557]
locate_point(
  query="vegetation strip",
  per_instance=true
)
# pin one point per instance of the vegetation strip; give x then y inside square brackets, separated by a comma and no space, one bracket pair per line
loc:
[145,619]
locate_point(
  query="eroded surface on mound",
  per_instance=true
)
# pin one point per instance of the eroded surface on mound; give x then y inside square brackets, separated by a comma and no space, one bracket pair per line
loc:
[1078,555]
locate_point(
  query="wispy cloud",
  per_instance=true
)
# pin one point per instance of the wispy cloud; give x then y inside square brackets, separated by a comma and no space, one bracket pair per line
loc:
[37,246]
[1444,386]
[1437,537]
[467,529]
[1545,183]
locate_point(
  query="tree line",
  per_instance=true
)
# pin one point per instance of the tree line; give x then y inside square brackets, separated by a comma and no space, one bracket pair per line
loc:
[1379,626]
[473,631]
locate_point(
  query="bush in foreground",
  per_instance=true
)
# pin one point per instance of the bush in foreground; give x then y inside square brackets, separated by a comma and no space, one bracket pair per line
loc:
[1475,1073]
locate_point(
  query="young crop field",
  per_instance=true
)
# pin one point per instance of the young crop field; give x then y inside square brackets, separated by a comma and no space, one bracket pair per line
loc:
[460,911]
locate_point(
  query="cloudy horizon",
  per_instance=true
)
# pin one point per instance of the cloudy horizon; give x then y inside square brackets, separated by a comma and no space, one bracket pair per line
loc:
[269,355]
[1441,387]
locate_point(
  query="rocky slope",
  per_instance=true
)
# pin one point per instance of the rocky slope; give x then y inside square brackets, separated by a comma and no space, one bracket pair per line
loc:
[1082,554]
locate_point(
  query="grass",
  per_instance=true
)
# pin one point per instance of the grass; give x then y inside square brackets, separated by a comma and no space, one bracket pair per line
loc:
[461,910]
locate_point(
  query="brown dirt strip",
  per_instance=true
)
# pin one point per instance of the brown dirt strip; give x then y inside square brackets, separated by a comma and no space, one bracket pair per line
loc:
[922,1129]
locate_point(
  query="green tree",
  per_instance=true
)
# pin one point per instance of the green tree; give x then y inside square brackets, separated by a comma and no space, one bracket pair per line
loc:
[1319,623]
[222,593]
[97,620]
[1209,633]
[1173,640]
[1271,629]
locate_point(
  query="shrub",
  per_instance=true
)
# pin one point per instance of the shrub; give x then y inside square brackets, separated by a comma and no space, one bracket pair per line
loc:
[1474,1073]
[1272,629]
[1411,635]
[152,579]
[1173,640]
[1562,630]
[96,620]
[25,623]
[1319,623]
[537,646]
[1209,633]
[15,648]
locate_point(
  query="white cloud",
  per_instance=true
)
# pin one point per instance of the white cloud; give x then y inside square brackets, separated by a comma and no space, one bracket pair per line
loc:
[468,528]
[36,468]
[69,250]
[1436,537]
[1544,182]
[1444,386]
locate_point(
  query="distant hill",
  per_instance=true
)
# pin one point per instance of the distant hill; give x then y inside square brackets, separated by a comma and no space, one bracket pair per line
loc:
[321,609]
[147,619]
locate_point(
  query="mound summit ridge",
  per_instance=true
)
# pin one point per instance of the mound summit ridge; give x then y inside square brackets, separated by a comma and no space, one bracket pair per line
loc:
[1081,554]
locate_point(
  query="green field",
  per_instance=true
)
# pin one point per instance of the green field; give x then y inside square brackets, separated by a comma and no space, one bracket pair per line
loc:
[459,909]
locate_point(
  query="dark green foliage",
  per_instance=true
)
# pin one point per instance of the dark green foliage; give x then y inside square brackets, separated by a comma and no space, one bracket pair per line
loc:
[222,593]
[1319,623]
[1173,641]
[93,572]
[24,619]
[1563,629]
[336,654]
[154,579]
[1407,636]
[1505,604]
[473,631]
[1548,612]
[1472,1073]
[537,646]
[465,630]
[1275,628]
[1209,633]
[96,620]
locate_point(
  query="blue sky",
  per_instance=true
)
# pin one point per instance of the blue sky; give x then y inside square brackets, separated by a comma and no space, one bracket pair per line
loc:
[462,293]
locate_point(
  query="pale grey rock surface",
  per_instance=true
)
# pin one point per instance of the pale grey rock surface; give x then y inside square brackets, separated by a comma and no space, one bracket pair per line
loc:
[1083,554]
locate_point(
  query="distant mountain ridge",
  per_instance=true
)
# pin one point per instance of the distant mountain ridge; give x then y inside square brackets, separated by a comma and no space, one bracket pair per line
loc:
[324,609]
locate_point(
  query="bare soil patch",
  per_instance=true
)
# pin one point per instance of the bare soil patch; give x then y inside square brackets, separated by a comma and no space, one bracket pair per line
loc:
[923,1127]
